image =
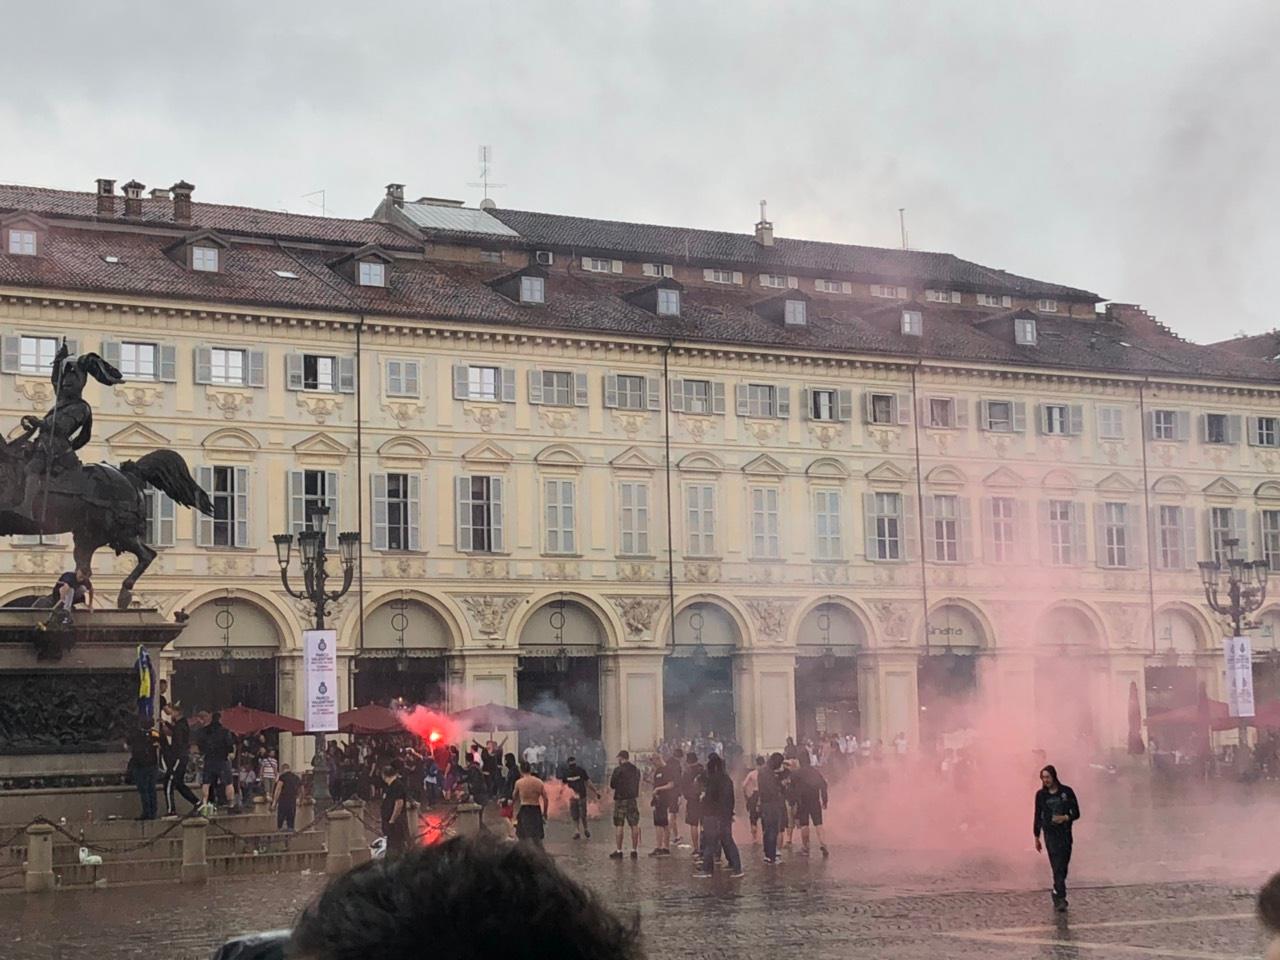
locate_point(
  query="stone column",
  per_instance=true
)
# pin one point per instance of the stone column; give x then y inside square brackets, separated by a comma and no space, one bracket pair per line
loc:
[359,845]
[611,706]
[468,822]
[887,680]
[39,866]
[195,860]
[338,841]
[765,682]
[638,708]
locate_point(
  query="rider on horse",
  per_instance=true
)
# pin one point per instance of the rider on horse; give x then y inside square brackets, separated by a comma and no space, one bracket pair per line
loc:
[66,428]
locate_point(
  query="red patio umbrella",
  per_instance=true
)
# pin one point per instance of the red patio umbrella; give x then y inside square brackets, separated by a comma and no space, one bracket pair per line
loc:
[495,716]
[242,720]
[1266,716]
[371,718]
[1191,715]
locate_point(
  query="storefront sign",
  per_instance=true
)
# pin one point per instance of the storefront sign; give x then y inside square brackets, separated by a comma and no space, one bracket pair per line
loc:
[1239,660]
[320,666]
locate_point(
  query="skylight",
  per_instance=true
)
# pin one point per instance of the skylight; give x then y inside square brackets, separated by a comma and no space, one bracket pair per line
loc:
[285,274]
[110,258]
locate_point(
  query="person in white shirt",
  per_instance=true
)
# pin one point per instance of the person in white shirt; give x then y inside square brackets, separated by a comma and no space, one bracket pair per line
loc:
[541,764]
[530,754]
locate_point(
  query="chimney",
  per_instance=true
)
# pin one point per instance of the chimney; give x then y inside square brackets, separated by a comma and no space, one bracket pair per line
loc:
[395,193]
[159,193]
[764,228]
[133,198]
[182,201]
[106,198]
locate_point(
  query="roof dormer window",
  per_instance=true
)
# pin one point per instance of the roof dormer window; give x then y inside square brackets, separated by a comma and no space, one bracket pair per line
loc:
[658,270]
[912,323]
[1024,331]
[601,265]
[533,290]
[1047,306]
[205,259]
[668,302]
[833,286]
[22,243]
[373,273]
[794,313]
[779,281]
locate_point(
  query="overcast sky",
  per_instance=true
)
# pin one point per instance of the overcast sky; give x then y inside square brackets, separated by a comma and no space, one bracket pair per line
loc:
[1128,148]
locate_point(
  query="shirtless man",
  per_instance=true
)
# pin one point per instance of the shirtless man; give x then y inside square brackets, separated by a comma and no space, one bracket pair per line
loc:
[530,797]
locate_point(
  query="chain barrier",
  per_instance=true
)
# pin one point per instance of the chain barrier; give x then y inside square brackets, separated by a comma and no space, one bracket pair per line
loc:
[13,873]
[8,841]
[115,850]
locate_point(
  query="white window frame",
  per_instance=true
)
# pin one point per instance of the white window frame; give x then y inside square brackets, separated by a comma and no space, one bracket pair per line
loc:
[597,265]
[557,388]
[235,502]
[224,362]
[873,416]
[668,302]
[942,296]
[700,519]
[1164,422]
[1171,548]
[633,518]
[691,397]
[795,313]
[828,541]
[633,392]
[832,286]
[560,512]
[1024,331]
[1047,306]
[1269,537]
[1056,419]
[912,323]
[888,292]
[1062,529]
[658,270]
[1219,419]
[39,358]
[824,411]
[395,512]
[205,259]
[1115,534]
[946,528]
[888,517]
[990,423]
[995,300]
[766,538]
[1004,529]
[715,275]
[477,383]
[950,407]
[23,243]
[325,379]
[533,290]
[372,273]
[160,512]
[132,363]
[762,400]
[309,489]
[1268,437]
[479,501]
[774,281]
[1218,532]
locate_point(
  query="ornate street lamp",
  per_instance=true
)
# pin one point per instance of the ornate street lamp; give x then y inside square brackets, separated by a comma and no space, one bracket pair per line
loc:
[699,649]
[1246,592]
[312,546]
[557,626]
[398,623]
[224,618]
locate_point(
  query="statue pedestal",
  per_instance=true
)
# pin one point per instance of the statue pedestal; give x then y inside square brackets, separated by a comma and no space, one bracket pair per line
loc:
[68,697]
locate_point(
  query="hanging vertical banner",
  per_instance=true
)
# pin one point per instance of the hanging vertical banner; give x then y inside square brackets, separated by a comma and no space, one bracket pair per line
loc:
[320,666]
[1239,662]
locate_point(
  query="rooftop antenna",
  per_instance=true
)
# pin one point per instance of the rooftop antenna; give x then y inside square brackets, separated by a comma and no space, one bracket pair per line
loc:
[324,209]
[902,225]
[486,166]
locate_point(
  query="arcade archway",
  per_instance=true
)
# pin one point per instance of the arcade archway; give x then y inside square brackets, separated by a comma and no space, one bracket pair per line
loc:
[559,671]
[1066,680]
[402,656]
[1173,679]
[947,675]
[827,646]
[697,674]
[225,656]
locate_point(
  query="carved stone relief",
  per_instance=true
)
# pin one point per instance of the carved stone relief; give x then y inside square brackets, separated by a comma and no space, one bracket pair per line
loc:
[701,571]
[489,613]
[558,419]
[403,412]
[635,571]
[771,615]
[638,614]
[321,406]
[696,427]
[764,431]
[893,616]
[485,416]
[487,568]
[139,396]
[229,402]
[824,433]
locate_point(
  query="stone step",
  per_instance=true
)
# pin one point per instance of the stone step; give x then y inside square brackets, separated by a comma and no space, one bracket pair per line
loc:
[169,869]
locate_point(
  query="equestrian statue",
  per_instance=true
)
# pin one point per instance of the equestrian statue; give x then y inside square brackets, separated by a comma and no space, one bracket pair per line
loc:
[45,489]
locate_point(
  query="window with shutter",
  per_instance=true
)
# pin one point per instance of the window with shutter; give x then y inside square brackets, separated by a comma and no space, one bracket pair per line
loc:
[561,516]
[625,391]
[827,526]
[395,511]
[228,489]
[700,519]
[633,515]
[160,515]
[885,527]
[822,403]
[480,514]
[765,538]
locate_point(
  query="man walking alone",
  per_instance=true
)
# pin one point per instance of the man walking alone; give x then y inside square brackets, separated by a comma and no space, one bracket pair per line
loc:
[625,784]
[1056,810]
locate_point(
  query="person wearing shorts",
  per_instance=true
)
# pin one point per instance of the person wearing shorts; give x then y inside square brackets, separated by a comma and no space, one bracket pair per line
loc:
[751,793]
[811,800]
[579,782]
[625,784]
[691,787]
[530,798]
[663,786]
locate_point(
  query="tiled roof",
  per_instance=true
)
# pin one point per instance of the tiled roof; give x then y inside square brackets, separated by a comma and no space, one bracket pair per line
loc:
[1265,346]
[1125,341]
[243,221]
[681,244]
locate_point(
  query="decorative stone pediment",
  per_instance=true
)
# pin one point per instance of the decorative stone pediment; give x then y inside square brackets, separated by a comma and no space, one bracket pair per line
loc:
[559,455]
[488,452]
[138,436]
[1170,486]
[765,465]
[945,476]
[1270,490]
[1117,483]
[633,458]
[231,443]
[828,467]
[1222,487]
[701,463]
[888,473]
[404,448]
[1060,480]
[320,448]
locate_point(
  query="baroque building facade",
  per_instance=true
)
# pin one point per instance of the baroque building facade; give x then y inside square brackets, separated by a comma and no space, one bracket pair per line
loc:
[673,480]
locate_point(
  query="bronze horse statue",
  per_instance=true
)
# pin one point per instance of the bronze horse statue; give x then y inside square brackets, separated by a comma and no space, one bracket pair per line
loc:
[45,489]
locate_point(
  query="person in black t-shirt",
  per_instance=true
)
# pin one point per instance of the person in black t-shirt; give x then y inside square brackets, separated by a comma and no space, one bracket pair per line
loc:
[664,786]
[577,780]
[1056,810]
[395,813]
[691,787]
[285,799]
[175,746]
[143,746]
[625,784]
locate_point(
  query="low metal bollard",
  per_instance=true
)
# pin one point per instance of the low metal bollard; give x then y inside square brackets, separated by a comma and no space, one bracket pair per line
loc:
[39,876]
[359,842]
[195,856]
[468,822]
[338,841]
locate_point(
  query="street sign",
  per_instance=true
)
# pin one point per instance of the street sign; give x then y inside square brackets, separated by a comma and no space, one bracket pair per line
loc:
[1239,662]
[320,668]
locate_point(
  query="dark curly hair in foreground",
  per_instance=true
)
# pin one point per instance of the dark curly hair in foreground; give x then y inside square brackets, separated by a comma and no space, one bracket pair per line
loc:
[464,899]
[1269,905]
